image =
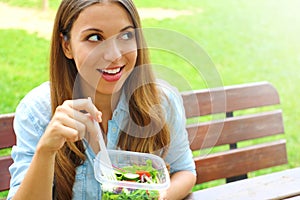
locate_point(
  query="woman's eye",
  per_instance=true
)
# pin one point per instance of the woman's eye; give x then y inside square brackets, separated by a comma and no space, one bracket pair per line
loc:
[126,36]
[94,38]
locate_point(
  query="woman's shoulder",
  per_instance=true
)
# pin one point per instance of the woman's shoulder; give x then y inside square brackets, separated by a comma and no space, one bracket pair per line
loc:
[39,93]
[171,94]
[172,102]
[37,100]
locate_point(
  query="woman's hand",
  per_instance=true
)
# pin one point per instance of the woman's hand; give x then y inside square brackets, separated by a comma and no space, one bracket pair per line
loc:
[162,195]
[70,122]
[182,183]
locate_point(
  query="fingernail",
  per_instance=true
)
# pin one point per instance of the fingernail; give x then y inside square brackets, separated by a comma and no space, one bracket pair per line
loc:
[99,117]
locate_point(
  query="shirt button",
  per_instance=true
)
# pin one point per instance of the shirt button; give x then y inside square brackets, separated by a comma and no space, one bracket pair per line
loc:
[114,129]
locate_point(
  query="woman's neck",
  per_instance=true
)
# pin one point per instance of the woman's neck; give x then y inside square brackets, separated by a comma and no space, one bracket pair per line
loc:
[106,103]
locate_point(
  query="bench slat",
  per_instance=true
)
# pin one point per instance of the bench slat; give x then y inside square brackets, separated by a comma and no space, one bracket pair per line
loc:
[277,185]
[229,98]
[5,162]
[8,138]
[240,161]
[235,129]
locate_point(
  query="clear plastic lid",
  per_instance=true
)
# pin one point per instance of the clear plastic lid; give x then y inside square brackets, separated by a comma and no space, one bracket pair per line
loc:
[120,159]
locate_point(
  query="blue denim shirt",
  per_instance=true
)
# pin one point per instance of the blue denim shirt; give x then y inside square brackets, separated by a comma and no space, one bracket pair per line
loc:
[34,113]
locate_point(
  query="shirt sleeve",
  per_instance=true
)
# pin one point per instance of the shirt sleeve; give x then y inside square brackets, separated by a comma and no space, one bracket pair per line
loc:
[30,120]
[179,154]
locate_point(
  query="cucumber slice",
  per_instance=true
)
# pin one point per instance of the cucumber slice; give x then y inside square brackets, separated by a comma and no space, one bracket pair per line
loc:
[118,174]
[131,176]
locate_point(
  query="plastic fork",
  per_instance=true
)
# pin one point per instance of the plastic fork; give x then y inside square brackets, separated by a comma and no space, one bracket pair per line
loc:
[105,162]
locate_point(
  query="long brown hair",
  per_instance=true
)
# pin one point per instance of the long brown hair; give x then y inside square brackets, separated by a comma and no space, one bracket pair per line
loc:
[63,74]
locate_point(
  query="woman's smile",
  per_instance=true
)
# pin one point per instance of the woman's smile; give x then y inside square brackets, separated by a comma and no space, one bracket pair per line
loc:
[111,74]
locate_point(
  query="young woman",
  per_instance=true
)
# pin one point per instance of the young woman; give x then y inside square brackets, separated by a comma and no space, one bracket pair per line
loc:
[97,51]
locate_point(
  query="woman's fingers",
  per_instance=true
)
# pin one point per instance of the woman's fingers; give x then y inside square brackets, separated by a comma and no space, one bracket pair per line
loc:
[70,123]
[75,127]
[79,120]
[85,105]
[81,115]
[69,134]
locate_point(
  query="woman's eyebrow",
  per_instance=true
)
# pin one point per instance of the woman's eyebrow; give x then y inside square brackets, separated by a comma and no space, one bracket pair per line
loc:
[92,29]
[127,27]
[99,30]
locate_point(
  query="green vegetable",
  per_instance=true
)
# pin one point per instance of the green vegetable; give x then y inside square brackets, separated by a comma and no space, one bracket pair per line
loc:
[138,173]
[131,176]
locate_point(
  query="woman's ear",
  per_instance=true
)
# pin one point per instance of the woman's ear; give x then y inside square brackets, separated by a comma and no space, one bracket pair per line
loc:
[66,46]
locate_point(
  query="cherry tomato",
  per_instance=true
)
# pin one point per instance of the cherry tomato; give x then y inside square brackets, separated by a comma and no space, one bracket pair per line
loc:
[141,173]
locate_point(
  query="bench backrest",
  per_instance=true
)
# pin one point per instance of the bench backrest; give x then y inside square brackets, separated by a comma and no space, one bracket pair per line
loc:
[234,163]
[7,140]
[231,163]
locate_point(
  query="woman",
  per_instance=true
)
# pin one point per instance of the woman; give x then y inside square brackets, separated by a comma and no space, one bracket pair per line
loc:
[97,51]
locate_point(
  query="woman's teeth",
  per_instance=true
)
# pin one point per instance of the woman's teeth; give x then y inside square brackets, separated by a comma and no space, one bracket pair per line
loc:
[111,71]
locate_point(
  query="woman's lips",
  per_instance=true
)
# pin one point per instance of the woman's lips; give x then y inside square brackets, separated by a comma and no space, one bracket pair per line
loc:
[111,74]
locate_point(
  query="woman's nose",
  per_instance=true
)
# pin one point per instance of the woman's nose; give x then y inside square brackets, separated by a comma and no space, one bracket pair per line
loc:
[112,51]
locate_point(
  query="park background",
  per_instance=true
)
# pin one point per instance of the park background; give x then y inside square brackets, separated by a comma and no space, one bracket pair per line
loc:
[248,41]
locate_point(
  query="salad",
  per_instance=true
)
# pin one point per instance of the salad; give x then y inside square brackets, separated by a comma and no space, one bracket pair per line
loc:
[136,173]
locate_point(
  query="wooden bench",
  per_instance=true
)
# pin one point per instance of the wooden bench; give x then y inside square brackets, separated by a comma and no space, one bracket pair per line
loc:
[232,163]
[284,184]
[7,140]
[238,126]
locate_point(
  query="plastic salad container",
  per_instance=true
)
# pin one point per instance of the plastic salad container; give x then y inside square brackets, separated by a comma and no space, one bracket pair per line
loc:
[139,176]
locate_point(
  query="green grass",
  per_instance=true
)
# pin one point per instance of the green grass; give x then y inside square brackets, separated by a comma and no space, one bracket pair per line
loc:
[53,4]
[247,41]
[169,4]
[24,65]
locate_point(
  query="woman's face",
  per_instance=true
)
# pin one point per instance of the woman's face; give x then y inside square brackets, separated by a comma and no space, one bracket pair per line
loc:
[103,46]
